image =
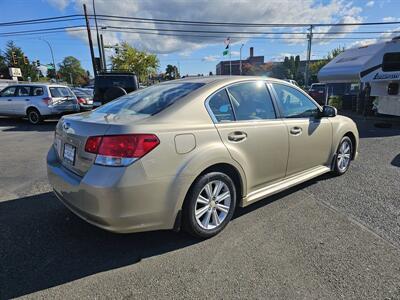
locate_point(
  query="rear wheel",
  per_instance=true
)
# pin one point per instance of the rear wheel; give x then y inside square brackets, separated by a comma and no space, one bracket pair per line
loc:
[343,156]
[209,205]
[34,116]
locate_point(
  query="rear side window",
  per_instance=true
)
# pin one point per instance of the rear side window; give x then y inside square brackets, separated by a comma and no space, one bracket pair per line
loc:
[391,62]
[251,101]
[151,100]
[221,107]
[23,91]
[59,91]
[37,91]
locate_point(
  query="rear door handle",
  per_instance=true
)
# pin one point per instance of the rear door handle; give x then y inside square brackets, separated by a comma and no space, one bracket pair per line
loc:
[295,130]
[9,99]
[237,136]
[27,100]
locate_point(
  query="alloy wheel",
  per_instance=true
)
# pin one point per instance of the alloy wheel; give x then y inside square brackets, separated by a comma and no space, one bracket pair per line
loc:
[212,204]
[344,156]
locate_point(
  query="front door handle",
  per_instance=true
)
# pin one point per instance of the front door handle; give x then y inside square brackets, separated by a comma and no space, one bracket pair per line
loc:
[9,99]
[237,136]
[27,99]
[295,131]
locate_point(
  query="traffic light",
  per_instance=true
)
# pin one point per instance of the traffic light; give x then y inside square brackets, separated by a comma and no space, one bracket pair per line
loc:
[26,60]
[38,63]
[116,51]
[14,58]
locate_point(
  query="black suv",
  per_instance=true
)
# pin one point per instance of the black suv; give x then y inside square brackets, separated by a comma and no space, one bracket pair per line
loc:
[109,86]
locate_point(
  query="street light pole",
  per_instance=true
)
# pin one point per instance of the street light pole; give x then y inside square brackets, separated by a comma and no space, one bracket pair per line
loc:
[309,36]
[240,66]
[52,56]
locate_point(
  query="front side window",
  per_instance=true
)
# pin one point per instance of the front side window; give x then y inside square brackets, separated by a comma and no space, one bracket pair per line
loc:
[293,103]
[9,92]
[23,91]
[221,107]
[151,100]
[251,101]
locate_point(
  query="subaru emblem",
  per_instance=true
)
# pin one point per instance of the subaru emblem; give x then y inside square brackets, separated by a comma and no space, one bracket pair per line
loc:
[66,126]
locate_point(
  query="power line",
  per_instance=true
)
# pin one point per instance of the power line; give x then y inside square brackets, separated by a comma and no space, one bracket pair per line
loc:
[29,21]
[197,23]
[253,24]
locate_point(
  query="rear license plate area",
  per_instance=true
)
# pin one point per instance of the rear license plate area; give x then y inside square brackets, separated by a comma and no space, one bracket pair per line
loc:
[69,154]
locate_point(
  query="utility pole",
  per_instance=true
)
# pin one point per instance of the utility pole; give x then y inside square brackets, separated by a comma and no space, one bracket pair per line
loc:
[103,53]
[98,38]
[240,66]
[230,61]
[90,40]
[309,37]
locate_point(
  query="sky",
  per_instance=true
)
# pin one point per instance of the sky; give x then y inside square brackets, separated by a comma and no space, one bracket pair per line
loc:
[199,55]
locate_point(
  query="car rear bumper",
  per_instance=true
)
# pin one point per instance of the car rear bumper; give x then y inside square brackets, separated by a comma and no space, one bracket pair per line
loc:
[60,110]
[116,199]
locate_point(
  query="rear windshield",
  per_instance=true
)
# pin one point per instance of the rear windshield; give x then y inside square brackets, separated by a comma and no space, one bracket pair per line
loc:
[318,87]
[121,81]
[151,100]
[60,92]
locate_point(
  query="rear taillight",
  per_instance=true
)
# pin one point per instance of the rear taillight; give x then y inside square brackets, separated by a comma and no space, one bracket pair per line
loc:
[81,100]
[120,150]
[48,100]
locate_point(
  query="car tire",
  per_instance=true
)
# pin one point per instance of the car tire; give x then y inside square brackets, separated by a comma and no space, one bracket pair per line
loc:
[209,205]
[34,116]
[344,154]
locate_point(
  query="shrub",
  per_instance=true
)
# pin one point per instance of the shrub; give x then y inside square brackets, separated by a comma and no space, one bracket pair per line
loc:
[335,101]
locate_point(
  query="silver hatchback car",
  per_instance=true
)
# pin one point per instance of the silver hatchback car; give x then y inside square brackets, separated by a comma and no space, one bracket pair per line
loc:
[185,153]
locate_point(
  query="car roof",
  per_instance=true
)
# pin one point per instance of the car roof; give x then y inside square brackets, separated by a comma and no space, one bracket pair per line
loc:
[38,84]
[222,79]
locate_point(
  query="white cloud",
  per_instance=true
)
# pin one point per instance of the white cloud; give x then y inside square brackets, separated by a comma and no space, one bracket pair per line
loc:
[288,11]
[60,4]
[370,3]
[210,58]
[390,19]
[389,34]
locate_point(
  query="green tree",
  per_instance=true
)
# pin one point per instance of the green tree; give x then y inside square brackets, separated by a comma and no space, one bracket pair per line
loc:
[142,63]
[70,68]
[171,72]
[3,66]
[27,70]
[316,66]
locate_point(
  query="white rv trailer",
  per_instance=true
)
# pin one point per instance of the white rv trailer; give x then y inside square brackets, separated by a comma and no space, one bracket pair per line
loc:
[377,65]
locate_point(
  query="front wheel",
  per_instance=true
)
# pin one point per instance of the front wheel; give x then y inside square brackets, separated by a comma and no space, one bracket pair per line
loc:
[343,156]
[209,205]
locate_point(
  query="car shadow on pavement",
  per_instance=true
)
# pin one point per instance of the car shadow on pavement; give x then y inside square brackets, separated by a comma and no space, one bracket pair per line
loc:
[19,124]
[44,245]
[396,161]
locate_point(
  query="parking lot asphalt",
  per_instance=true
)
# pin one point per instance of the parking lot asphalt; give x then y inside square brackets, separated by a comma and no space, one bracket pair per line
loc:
[330,238]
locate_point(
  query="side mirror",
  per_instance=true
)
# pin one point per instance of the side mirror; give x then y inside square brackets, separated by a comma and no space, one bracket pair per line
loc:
[328,111]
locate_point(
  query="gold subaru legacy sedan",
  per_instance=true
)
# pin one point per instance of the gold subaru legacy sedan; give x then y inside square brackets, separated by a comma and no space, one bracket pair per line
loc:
[186,153]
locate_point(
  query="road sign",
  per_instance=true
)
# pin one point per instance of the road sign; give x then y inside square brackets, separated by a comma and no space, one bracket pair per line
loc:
[15,72]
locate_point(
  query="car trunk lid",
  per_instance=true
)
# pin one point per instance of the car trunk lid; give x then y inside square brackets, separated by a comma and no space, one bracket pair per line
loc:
[73,131]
